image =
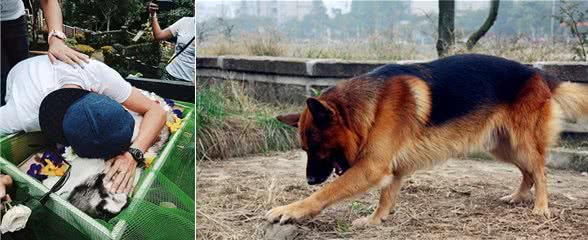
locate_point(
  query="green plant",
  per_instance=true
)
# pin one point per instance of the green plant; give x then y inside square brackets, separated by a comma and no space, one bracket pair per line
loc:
[343,226]
[230,123]
[80,37]
[71,42]
[277,136]
[107,49]
[85,49]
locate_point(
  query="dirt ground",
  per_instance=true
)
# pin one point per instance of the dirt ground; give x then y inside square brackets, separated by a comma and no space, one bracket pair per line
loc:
[455,200]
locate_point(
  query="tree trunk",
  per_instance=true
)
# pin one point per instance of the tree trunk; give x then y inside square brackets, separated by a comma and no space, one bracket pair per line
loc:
[446,27]
[475,37]
[108,23]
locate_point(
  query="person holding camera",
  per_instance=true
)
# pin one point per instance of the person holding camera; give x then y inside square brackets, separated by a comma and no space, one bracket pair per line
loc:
[182,65]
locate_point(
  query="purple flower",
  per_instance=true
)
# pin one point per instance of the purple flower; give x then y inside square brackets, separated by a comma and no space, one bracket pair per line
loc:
[169,102]
[178,113]
[35,170]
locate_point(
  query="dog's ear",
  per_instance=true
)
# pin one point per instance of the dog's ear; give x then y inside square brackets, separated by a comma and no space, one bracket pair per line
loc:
[321,113]
[289,119]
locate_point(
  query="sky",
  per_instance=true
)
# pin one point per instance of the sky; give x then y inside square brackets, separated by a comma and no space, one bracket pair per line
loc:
[209,8]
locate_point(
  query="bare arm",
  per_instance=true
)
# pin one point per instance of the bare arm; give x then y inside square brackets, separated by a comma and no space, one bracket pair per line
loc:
[57,48]
[153,118]
[121,170]
[158,34]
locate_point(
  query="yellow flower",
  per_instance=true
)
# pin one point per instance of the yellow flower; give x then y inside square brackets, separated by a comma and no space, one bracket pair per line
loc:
[173,127]
[51,170]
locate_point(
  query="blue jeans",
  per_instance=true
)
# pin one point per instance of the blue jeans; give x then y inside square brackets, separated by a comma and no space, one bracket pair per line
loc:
[15,47]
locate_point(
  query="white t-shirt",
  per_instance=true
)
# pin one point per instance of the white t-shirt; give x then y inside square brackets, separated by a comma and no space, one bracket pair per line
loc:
[34,78]
[11,9]
[182,66]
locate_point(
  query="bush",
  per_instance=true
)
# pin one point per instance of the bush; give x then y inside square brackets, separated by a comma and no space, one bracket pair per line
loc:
[80,38]
[85,49]
[71,42]
[107,50]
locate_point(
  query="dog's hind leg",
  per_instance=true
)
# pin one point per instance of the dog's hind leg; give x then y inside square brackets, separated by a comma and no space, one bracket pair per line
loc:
[388,196]
[531,163]
[540,131]
[504,152]
[532,158]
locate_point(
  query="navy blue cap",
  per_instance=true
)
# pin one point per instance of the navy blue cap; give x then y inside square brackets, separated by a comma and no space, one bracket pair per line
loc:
[96,126]
[52,110]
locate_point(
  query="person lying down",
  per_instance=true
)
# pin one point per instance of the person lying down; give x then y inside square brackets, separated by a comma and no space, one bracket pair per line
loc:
[85,188]
[86,108]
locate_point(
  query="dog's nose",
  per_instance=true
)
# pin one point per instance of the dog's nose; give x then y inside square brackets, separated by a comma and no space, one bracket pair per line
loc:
[312,180]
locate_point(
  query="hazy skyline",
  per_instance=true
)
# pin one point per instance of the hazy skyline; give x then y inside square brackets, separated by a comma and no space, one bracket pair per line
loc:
[213,8]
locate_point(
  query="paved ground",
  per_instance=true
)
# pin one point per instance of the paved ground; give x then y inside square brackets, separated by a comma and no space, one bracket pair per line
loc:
[458,199]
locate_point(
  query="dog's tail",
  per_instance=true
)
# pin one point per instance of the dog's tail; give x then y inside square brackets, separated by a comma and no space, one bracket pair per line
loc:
[572,99]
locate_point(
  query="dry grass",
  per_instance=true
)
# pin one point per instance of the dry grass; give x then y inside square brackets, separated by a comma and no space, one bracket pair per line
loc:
[458,200]
[231,123]
[380,48]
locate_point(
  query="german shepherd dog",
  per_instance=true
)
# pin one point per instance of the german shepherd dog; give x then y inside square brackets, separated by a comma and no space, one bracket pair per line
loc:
[377,128]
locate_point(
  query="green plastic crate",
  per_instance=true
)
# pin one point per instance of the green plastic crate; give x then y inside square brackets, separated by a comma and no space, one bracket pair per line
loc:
[170,179]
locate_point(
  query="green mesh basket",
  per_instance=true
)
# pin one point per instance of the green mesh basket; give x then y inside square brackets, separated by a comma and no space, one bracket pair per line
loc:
[162,206]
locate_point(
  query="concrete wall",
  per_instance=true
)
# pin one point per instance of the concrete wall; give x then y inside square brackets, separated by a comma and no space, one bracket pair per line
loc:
[263,73]
[302,71]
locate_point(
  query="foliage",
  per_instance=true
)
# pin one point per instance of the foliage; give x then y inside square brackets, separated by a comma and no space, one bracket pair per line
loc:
[80,37]
[183,8]
[231,123]
[573,15]
[99,15]
[107,49]
[135,58]
[522,48]
[210,106]
[71,42]
[85,49]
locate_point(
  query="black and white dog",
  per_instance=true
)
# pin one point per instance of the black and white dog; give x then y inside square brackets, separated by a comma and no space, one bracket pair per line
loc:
[86,188]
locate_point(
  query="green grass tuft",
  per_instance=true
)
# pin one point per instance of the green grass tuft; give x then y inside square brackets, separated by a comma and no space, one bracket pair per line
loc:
[230,124]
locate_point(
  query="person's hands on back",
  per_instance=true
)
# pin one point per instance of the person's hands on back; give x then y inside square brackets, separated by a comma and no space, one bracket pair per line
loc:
[59,51]
[120,172]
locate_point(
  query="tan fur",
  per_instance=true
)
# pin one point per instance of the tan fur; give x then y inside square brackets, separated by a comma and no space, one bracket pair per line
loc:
[573,99]
[391,140]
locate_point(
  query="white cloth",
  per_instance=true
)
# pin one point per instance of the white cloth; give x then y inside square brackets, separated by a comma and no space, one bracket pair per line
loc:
[11,9]
[15,219]
[34,78]
[183,66]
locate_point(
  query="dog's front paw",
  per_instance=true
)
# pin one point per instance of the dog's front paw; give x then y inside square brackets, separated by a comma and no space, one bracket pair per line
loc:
[296,211]
[366,221]
[542,211]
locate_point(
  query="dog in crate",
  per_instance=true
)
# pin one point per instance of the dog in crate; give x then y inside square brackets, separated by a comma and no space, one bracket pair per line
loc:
[85,107]
[87,188]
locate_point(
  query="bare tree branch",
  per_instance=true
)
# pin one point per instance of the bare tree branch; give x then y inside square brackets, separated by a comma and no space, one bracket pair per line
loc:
[477,35]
